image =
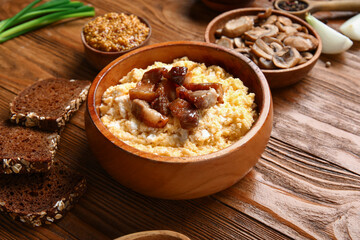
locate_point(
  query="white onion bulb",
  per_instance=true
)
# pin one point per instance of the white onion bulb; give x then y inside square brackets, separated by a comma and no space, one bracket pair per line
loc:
[351,28]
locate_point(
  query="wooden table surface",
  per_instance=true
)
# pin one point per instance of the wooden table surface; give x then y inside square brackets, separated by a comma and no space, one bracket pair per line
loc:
[305,186]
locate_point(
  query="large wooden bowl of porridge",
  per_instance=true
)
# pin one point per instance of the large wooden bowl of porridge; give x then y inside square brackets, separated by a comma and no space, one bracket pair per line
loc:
[194,162]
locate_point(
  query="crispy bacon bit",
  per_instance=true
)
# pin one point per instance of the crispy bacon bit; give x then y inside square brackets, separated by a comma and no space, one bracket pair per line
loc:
[142,94]
[201,98]
[142,111]
[154,75]
[185,112]
[161,103]
[177,75]
[206,86]
[145,89]
[161,92]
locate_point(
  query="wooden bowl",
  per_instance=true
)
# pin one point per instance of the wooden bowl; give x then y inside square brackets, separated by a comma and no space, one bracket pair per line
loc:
[187,177]
[226,5]
[99,59]
[154,235]
[277,78]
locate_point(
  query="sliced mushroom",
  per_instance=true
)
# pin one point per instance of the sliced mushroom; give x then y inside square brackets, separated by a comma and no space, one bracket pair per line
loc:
[284,21]
[287,58]
[236,27]
[271,20]
[266,64]
[265,14]
[263,46]
[258,32]
[281,36]
[238,43]
[313,40]
[286,29]
[218,32]
[298,27]
[276,47]
[225,42]
[243,50]
[269,40]
[300,43]
[152,118]
[307,55]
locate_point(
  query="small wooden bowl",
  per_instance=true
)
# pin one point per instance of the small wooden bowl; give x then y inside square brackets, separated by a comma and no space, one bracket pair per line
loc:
[154,235]
[99,59]
[186,177]
[226,5]
[277,78]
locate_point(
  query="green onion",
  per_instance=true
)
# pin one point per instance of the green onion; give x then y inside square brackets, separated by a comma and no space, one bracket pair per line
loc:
[30,18]
[7,23]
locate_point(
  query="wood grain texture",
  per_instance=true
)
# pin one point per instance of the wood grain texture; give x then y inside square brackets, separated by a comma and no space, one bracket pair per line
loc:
[305,186]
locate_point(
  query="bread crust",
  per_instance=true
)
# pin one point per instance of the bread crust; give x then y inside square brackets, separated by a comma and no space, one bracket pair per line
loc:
[19,164]
[33,119]
[53,213]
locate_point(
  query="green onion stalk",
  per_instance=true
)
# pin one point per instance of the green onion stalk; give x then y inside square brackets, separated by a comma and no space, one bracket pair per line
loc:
[31,18]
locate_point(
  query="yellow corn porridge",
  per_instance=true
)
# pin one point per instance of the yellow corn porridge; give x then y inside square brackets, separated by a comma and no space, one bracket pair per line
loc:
[219,126]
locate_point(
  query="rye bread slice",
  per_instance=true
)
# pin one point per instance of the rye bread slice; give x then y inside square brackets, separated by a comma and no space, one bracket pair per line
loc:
[26,150]
[48,104]
[41,198]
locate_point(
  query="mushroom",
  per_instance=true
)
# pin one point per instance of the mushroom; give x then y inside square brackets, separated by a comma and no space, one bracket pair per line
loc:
[225,42]
[286,29]
[269,40]
[218,32]
[284,21]
[238,42]
[313,39]
[258,32]
[300,43]
[236,27]
[261,49]
[152,118]
[305,56]
[243,50]
[276,47]
[286,58]
[267,64]
[265,14]
[270,20]
[281,36]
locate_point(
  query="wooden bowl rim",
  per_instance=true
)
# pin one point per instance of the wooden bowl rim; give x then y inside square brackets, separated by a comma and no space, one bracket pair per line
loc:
[142,19]
[260,122]
[153,233]
[243,11]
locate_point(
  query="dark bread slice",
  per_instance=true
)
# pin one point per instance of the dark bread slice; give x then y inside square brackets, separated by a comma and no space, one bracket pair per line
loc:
[48,104]
[41,198]
[26,150]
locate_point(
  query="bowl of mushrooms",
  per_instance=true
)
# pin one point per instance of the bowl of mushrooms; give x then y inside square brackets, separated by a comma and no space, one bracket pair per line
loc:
[284,46]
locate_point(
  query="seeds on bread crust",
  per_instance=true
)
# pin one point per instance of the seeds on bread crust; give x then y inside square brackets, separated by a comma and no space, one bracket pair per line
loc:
[34,199]
[25,150]
[48,104]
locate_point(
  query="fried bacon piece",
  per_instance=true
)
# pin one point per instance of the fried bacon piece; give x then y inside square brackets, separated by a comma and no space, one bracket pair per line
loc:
[145,89]
[177,75]
[152,118]
[161,103]
[201,99]
[185,112]
[206,86]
